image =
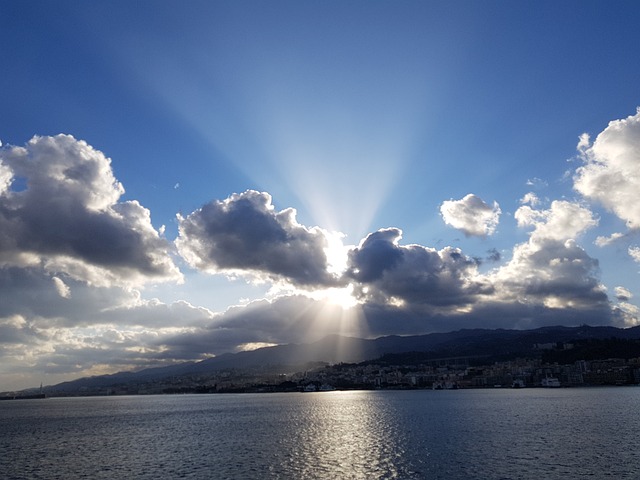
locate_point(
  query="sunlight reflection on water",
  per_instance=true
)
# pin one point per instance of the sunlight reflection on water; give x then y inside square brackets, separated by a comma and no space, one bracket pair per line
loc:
[481,434]
[344,436]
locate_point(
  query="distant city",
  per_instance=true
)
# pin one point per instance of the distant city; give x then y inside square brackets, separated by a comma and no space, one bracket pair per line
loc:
[437,374]
[590,362]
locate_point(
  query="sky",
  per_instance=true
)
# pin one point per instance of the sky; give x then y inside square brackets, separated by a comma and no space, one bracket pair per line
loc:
[184,179]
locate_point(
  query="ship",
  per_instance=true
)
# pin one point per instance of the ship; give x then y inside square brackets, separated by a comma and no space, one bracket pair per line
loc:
[550,382]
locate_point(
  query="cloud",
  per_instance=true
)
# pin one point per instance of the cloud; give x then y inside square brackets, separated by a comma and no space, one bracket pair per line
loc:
[57,301]
[471,215]
[628,313]
[493,255]
[91,331]
[634,252]
[602,241]
[62,288]
[563,220]
[623,294]
[73,256]
[155,314]
[537,183]
[68,217]
[286,319]
[413,289]
[244,235]
[610,171]
[387,272]
[551,269]
[530,199]
[5,178]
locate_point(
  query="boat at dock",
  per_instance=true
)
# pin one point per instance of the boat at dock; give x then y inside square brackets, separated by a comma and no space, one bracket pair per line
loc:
[550,382]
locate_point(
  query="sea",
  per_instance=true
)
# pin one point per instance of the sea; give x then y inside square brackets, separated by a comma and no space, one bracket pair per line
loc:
[572,433]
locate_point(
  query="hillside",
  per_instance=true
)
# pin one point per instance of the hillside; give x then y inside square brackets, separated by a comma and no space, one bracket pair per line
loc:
[336,349]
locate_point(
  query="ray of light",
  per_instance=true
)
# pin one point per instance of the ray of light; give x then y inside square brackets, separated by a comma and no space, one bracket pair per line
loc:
[321,144]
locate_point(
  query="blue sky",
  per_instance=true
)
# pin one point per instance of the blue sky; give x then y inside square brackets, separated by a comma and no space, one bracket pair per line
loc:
[446,134]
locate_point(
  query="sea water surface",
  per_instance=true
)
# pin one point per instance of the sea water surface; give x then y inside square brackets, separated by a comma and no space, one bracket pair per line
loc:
[463,434]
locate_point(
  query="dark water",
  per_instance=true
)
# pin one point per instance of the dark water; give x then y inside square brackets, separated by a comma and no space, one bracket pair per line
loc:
[464,434]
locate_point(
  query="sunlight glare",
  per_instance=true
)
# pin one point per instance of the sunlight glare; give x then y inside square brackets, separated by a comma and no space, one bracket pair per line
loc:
[341,297]
[246,347]
[336,253]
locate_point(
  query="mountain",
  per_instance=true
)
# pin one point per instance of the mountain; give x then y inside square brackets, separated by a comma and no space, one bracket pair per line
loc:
[337,349]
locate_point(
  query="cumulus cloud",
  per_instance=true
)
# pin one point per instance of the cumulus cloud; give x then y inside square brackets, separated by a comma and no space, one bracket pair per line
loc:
[68,217]
[471,215]
[530,199]
[5,178]
[628,313]
[62,288]
[244,234]
[413,289]
[602,241]
[610,171]
[387,272]
[551,269]
[563,220]
[72,255]
[623,294]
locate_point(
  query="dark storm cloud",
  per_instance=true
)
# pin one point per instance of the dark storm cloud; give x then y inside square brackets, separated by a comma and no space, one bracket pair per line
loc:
[244,234]
[413,273]
[68,216]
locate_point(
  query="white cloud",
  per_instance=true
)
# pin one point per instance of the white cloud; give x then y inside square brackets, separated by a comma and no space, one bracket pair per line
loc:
[471,215]
[71,256]
[564,220]
[5,178]
[530,199]
[602,241]
[634,252]
[62,288]
[623,294]
[551,269]
[629,313]
[610,171]
[536,183]
[68,218]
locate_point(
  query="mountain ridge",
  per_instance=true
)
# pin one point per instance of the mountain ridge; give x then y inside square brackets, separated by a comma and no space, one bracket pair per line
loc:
[340,349]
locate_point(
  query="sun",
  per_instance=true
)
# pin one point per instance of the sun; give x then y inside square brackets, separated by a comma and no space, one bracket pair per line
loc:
[339,296]
[337,253]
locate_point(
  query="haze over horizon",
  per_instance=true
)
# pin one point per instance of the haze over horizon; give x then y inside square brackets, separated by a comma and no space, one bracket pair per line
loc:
[180,180]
